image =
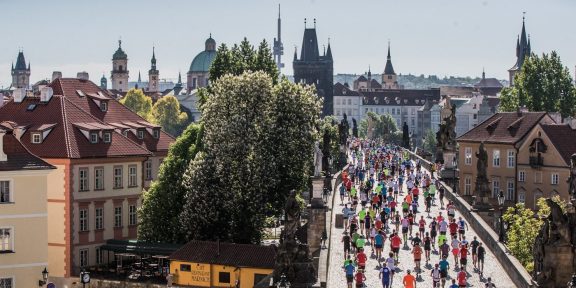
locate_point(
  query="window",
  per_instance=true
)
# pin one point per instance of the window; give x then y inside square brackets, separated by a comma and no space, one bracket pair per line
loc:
[475,116]
[132,215]
[413,111]
[6,283]
[83,257]
[107,137]
[156,133]
[511,158]
[468,156]
[185,268]
[118,177]
[118,216]
[495,187]
[99,255]
[6,240]
[94,137]
[258,278]
[83,181]
[521,176]
[538,177]
[496,158]
[36,138]
[132,176]
[99,218]
[83,220]
[99,178]
[554,180]
[510,190]
[140,134]
[522,197]
[224,277]
[349,101]
[467,185]
[5,192]
[148,169]
[104,106]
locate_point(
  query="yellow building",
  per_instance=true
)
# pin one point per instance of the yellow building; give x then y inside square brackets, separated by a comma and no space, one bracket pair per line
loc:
[544,163]
[503,135]
[23,213]
[215,264]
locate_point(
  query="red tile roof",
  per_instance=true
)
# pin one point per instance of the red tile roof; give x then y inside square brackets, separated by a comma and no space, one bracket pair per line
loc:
[231,254]
[64,139]
[116,113]
[563,137]
[505,127]
[18,157]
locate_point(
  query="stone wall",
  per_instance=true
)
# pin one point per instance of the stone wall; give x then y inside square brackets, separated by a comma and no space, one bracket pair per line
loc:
[513,267]
[97,283]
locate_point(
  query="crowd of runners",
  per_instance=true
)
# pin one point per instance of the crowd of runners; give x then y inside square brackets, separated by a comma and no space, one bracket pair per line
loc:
[387,200]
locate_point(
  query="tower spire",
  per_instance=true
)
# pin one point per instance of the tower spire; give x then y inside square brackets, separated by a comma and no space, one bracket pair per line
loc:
[388,57]
[278,49]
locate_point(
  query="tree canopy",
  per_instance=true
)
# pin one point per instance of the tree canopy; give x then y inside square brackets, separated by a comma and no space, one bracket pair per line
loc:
[543,84]
[166,113]
[258,143]
[139,103]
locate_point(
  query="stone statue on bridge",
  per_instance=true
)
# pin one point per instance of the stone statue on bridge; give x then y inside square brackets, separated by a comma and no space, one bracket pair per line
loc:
[481,188]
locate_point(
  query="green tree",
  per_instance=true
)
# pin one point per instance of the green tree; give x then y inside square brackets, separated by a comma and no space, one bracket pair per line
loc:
[166,113]
[543,84]
[164,200]
[139,103]
[430,141]
[258,144]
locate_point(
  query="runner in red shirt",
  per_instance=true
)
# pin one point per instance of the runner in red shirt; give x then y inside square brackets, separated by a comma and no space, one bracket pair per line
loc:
[461,277]
[360,278]
[453,227]
[361,260]
[395,243]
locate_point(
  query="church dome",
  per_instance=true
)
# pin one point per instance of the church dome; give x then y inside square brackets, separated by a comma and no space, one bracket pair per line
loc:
[204,59]
[119,54]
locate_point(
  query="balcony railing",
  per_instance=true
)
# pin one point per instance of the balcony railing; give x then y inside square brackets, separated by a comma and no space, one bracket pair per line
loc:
[536,161]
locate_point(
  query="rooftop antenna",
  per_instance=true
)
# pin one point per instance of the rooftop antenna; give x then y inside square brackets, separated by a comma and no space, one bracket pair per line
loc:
[305,23]
[314,23]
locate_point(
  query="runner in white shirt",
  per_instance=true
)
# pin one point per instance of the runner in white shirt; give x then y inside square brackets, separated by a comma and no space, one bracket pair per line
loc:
[435,273]
[443,226]
[390,264]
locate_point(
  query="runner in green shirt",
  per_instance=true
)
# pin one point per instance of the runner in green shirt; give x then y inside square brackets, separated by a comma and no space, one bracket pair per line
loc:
[361,242]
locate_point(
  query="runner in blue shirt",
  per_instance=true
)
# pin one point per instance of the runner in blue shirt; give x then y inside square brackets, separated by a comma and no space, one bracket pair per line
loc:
[385,276]
[350,268]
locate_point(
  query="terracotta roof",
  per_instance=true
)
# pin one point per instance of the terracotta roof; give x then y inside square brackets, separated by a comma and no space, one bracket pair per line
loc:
[400,97]
[563,138]
[64,138]
[18,157]
[116,113]
[231,254]
[505,127]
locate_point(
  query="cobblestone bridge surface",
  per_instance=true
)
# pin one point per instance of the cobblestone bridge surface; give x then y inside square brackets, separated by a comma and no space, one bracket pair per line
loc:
[337,277]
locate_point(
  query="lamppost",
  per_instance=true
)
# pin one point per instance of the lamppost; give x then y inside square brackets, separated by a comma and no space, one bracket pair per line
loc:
[501,231]
[44,280]
[283,283]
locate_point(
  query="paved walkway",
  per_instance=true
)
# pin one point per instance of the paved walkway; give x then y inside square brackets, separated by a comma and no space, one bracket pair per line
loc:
[336,275]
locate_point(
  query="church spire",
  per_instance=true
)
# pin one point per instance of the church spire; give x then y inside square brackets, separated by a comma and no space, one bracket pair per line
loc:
[139,77]
[179,78]
[389,69]
[329,51]
[153,61]
[295,53]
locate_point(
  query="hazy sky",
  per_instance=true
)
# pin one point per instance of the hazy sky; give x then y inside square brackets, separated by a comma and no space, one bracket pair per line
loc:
[440,37]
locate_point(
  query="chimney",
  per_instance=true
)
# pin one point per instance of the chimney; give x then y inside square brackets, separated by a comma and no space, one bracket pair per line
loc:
[56,75]
[83,75]
[46,94]
[3,156]
[19,94]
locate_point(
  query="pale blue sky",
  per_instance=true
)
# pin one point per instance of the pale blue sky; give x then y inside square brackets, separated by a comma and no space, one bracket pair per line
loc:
[441,37]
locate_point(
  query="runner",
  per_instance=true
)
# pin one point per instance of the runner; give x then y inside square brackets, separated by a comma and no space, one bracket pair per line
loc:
[444,266]
[361,260]
[346,241]
[463,256]
[409,280]
[378,244]
[349,269]
[481,253]
[417,251]
[435,273]
[421,226]
[489,283]
[390,263]
[395,243]
[360,278]
[427,246]
[474,244]
[455,249]
[462,226]
[461,276]
[385,275]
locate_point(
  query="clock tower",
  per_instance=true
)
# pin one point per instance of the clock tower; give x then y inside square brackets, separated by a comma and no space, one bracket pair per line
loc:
[153,74]
[120,69]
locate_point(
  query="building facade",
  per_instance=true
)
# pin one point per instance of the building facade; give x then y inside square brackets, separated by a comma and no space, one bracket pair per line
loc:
[23,215]
[312,68]
[347,101]
[503,135]
[105,156]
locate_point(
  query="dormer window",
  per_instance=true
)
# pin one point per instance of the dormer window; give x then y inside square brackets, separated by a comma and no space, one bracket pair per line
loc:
[125,133]
[36,138]
[93,137]
[107,137]
[140,134]
[104,106]
[156,133]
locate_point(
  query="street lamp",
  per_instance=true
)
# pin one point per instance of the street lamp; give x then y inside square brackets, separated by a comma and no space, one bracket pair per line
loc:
[501,220]
[283,283]
[44,280]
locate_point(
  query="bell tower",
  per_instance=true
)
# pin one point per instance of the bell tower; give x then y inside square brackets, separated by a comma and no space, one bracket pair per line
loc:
[120,73]
[153,74]
[21,73]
